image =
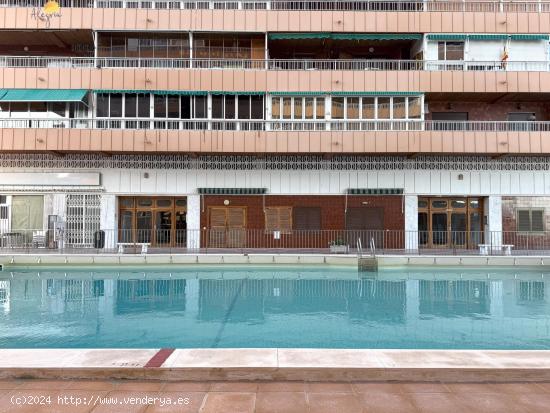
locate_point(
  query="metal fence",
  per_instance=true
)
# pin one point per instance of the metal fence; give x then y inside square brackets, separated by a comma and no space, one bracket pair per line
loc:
[303,5]
[273,125]
[240,240]
[270,64]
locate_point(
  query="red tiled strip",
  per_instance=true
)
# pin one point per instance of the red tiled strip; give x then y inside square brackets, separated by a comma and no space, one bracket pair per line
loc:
[158,359]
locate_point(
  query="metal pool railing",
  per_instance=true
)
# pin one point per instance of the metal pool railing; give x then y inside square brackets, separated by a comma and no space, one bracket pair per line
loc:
[241,240]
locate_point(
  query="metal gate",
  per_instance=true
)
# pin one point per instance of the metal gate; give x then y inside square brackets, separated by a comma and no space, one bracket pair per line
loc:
[82,219]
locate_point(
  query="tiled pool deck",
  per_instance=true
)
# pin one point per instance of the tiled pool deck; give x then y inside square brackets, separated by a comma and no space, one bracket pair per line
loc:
[283,397]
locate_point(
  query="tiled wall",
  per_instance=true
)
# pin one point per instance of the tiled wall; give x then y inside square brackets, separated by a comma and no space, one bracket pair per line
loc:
[212,141]
[263,20]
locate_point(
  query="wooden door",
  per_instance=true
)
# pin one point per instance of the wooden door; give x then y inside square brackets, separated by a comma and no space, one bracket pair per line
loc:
[227,227]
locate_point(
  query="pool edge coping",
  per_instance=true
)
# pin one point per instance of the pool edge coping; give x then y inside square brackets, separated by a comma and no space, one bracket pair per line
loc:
[277,364]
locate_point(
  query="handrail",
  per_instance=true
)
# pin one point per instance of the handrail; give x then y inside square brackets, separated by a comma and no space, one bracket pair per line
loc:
[302,5]
[274,125]
[270,64]
[372,247]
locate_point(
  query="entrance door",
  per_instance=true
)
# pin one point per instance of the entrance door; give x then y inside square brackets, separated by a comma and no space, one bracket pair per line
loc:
[449,222]
[227,227]
[163,228]
[158,221]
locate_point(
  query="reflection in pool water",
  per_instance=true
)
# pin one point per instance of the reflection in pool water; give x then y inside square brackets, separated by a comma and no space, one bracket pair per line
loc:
[305,307]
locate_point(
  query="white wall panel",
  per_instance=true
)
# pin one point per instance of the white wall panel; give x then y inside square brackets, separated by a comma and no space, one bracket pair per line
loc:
[435,182]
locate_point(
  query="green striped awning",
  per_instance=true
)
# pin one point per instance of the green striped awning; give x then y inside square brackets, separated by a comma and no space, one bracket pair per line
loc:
[376,36]
[232,191]
[155,92]
[298,93]
[488,36]
[446,36]
[345,36]
[222,92]
[374,191]
[298,36]
[529,37]
[42,95]
[370,93]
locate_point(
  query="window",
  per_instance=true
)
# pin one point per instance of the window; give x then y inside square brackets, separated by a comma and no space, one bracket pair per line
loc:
[115,105]
[307,218]
[450,50]
[256,107]
[297,108]
[278,219]
[522,117]
[217,106]
[102,108]
[243,110]
[186,107]
[530,220]
[200,107]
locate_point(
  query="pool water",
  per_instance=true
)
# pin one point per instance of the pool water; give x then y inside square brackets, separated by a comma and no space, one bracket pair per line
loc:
[307,307]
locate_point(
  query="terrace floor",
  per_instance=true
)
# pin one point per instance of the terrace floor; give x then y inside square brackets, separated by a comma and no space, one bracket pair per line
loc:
[278,397]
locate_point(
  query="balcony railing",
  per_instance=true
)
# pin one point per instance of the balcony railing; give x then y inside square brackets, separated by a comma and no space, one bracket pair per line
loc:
[273,125]
[307,5]
[214,240]
[271,64]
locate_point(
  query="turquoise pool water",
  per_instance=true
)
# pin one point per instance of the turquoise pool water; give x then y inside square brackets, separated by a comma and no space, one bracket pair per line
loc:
[275,307]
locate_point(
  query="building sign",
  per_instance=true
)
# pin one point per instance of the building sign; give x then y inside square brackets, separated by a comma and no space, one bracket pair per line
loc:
[45,14]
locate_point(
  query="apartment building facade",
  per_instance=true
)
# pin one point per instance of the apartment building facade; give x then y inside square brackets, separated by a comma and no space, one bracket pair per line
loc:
[222,124]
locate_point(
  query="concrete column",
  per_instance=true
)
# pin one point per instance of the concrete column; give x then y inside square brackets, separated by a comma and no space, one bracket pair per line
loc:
[108,219]
[411,222]
[492,207]
[193,221]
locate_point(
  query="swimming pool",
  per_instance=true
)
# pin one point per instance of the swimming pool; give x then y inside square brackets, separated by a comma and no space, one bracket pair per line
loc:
[317,307]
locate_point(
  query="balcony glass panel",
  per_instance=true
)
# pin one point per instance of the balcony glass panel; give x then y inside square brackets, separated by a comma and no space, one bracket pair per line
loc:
[415,109]
[275,108]
[320,108]
[297,108]
[399,108]
[383,108]
[337,108]
[368,108]
[309,102]
[353,108]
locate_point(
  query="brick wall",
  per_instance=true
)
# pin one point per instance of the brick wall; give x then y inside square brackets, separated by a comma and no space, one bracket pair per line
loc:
[533,241]
[488,111]
[332,218]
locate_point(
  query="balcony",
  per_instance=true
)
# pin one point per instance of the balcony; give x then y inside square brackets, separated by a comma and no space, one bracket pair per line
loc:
[277,137]
[64,62]
[298,5]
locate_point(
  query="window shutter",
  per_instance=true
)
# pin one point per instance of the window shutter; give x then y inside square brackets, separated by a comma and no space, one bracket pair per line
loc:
[307,218]
[271,219]
[537,220]
[524,220]
[217,217]
[278,219]
[236,217]
[285,220]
